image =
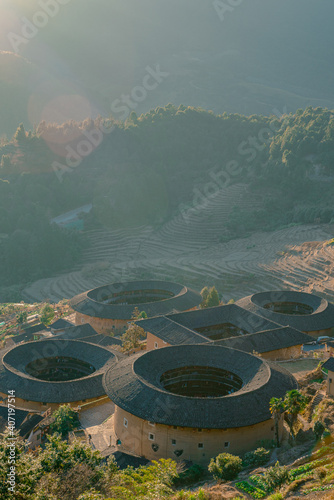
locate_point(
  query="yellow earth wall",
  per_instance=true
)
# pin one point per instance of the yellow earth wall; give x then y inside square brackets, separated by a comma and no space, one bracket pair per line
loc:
[283,354]
[106,326]
[39,406]
[154,342]
[330,383]
[320,333]
[135,438]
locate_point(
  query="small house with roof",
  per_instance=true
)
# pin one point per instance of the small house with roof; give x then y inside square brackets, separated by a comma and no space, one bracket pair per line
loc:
[229,326]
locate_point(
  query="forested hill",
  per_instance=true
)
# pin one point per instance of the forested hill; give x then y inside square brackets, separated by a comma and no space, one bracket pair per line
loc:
[145,170]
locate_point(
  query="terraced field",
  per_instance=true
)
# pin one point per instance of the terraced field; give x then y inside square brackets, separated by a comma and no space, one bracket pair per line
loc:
[188,249]
[310,477]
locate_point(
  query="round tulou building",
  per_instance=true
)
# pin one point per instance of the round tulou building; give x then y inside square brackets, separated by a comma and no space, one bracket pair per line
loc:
[109,308]
[303,311]
[47,373]
[192,402]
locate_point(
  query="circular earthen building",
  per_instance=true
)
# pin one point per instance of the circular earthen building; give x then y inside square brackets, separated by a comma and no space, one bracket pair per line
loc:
[48,373]
[303,311]
[192,402]
[109,308]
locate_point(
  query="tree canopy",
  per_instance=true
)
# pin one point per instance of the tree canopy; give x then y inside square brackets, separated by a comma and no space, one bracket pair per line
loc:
[146,168]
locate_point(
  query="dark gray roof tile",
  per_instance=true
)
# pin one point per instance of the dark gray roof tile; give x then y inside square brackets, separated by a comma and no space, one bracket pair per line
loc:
[171,332]
[91,303]
[14,376]
[270,340]
[321,318]
[329,365]
[134,385]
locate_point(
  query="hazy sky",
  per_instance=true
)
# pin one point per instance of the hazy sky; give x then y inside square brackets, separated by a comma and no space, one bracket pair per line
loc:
[96,50]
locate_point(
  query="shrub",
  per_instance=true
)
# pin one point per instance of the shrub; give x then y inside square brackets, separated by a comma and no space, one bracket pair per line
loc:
[275,476]
[47,314]
[65,420]
[275,496]
[258,457]
[320,473]
[318,429]
[268,444]
[187,495]
[225,466]
[188,476]
[22,317]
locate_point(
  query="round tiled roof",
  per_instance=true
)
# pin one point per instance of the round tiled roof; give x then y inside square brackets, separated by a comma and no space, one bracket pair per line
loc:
[134,385]
[321,317]
[91,302]
[13,375]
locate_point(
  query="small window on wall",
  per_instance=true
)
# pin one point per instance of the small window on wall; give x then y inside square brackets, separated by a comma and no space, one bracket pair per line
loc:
[151,437]
[226,444]
[125,422]
[199,430]
[82,320]
[173,442]
[151,423]
[156,345]
[200,445]
[330,380]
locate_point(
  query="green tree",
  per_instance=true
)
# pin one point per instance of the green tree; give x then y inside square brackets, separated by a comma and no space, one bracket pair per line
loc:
[22,317]
[274,476]
[277,408]
[225,466]
[294,403]
[138,314]
[210,297]
[68,469]
[320,473]
[60,455]
[258,457]
[5,162]
[318,429]
[27,469]
[133,117]
[145,483]
[131,338]
[47,314]
[213,298]
[65,420]
[205,294]
[20,134]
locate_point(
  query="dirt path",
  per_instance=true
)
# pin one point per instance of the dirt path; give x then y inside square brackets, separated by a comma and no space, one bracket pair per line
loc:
[98,422]
[300,367]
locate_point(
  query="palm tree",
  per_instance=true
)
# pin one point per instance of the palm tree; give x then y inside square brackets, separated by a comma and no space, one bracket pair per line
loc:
[277,408]
[294,403]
